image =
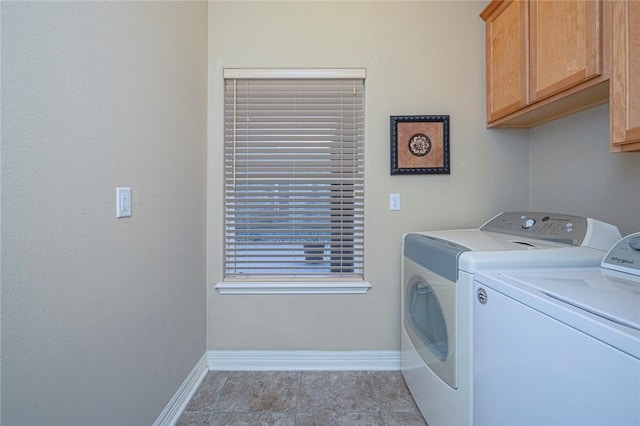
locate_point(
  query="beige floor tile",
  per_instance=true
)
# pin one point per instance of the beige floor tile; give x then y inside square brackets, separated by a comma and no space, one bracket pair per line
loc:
[258,391]
[403,419]
[251,419]
[391,392]
[336,391]
[307,398]
[339,419]
[194,418]
[208,391]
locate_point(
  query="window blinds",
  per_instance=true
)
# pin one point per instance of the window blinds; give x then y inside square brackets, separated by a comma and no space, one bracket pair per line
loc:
[294,178]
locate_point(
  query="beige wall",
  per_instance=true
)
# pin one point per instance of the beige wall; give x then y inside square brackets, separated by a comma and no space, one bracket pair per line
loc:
[572,171]
[421,58]
[102,319]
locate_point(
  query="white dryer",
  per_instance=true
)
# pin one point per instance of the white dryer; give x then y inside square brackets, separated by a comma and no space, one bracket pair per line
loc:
[437,295]
[560,346]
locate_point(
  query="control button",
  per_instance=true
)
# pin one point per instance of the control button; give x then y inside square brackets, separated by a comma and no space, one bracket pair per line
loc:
[634,243]
[528,223]
[569,225]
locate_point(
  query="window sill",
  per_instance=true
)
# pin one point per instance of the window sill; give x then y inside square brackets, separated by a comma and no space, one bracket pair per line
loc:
[314,287]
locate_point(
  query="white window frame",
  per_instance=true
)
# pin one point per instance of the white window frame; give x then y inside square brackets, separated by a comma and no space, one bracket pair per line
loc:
[292,285]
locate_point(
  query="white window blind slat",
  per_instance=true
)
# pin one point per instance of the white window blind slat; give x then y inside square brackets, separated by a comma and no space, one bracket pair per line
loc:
[294,177]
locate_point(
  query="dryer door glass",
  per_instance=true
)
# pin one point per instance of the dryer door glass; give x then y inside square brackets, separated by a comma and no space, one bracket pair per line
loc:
[426,317]
[430,323]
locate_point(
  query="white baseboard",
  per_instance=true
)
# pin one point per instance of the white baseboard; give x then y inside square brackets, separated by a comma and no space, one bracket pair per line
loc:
[178,403]
[303,360]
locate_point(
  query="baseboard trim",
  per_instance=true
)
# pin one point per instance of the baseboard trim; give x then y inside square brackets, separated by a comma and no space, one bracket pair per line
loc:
[178,403]
[303,360]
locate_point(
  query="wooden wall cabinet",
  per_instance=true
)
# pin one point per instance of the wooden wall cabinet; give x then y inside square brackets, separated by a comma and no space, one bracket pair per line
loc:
[507,59]
[625,76]
[544,60]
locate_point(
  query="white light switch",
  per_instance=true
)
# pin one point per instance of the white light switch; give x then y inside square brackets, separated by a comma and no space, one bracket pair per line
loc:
[394,201]
[123,202]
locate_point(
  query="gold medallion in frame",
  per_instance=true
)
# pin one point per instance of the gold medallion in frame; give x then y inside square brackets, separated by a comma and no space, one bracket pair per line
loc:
[419,144]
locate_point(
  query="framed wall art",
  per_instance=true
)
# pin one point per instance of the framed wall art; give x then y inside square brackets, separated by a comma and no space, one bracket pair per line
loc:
[419,144]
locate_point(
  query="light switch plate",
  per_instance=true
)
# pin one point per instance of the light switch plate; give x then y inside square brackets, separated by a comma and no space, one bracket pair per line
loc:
[394,201]
[123,202]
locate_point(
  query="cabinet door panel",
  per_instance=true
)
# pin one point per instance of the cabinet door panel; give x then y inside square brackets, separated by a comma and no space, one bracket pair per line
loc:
[634,67]
[506,45]
[625,77]
[566,44]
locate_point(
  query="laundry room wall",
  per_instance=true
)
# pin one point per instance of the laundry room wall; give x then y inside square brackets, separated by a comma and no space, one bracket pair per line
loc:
[421,58]
[102,318]
[572,171]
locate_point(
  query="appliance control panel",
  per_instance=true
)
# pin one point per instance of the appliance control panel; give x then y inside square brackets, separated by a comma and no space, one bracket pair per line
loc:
[625,255]
[561,228]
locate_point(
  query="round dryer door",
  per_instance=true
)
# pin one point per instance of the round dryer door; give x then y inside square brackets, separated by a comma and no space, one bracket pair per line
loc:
[430,272]
[430,323]
[426,317]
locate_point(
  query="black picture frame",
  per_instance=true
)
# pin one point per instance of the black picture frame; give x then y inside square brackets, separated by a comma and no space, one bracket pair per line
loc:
[419,144]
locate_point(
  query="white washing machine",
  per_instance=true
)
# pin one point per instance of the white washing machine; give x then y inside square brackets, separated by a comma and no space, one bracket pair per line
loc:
[560,346]
[437,295]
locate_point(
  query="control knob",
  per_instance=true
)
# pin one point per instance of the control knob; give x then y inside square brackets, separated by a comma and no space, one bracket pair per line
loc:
[528,223]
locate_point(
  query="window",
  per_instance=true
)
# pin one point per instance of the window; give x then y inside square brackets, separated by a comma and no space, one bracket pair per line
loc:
[294,174]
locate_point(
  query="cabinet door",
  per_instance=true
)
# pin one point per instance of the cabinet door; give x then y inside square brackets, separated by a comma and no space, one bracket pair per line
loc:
[625,77]
[566,44]
[506,44]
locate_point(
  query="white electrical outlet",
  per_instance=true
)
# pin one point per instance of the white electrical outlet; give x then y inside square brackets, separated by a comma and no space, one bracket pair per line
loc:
[123,202]
[394,201]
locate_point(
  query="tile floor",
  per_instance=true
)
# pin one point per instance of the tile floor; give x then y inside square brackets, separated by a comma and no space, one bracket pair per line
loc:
[302,398]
